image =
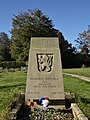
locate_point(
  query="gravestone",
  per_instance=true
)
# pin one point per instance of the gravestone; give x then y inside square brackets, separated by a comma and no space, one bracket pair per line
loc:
[1,69]
[44,77]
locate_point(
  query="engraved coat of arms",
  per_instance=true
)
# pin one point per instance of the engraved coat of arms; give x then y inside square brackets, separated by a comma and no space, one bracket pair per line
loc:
[45,62]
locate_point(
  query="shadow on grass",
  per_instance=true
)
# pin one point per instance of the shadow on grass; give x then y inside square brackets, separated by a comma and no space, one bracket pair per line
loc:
[11,86]
[85,100]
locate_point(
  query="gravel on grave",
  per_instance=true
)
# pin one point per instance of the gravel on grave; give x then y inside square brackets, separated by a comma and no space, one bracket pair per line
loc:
[52,114]
[25,113]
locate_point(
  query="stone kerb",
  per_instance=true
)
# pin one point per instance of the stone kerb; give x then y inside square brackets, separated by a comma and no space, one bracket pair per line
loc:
[77,113]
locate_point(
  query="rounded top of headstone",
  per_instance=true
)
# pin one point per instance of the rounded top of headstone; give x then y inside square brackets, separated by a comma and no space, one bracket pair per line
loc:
[44,42]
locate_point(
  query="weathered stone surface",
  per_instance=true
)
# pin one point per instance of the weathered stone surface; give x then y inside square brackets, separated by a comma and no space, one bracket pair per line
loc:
[44,77]
[78,114]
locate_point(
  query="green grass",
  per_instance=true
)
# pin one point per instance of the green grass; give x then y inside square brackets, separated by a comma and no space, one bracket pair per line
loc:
[78,71]
[12,83]
[81,89]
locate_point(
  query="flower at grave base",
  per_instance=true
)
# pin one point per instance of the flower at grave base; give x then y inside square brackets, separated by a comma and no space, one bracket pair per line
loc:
[44,101]
[43,98]
[31,104]
[47,98]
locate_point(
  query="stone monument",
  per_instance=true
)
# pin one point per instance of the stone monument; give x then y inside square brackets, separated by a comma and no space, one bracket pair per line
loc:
[44,77]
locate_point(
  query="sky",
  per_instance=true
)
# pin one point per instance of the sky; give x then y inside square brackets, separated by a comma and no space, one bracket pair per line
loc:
[71,17]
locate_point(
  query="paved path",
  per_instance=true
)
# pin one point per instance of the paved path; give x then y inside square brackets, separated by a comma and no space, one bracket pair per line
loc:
[80,77]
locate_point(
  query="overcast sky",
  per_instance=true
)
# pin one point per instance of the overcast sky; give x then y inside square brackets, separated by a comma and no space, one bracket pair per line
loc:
[69,16]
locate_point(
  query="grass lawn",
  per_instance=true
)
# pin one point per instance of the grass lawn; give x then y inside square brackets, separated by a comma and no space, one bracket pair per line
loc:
[78,71]
[12,83]
[81,89]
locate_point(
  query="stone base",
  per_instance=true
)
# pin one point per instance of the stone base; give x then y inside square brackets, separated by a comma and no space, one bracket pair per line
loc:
[56,104]
[53,102]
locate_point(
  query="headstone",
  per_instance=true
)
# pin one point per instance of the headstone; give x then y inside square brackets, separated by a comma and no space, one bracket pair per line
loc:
[1,69]
[44,77]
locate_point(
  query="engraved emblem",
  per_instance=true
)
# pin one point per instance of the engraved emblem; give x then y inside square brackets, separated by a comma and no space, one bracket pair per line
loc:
[45,62]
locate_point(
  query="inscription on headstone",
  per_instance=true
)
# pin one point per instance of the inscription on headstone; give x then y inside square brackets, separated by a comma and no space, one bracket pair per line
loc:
[44,77]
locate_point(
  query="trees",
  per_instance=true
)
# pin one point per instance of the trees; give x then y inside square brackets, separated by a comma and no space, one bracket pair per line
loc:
[30,24]
[84,41]
[34,24]
[84,45]
[4,47]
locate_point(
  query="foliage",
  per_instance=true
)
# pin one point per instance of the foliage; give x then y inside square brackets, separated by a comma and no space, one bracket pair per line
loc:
[31,24]
[71,61]
[25,26]
[4,47]
[70,58]
[84,41]
[12,64]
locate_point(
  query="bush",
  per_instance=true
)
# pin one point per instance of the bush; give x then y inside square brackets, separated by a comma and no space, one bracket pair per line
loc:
[11,64]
